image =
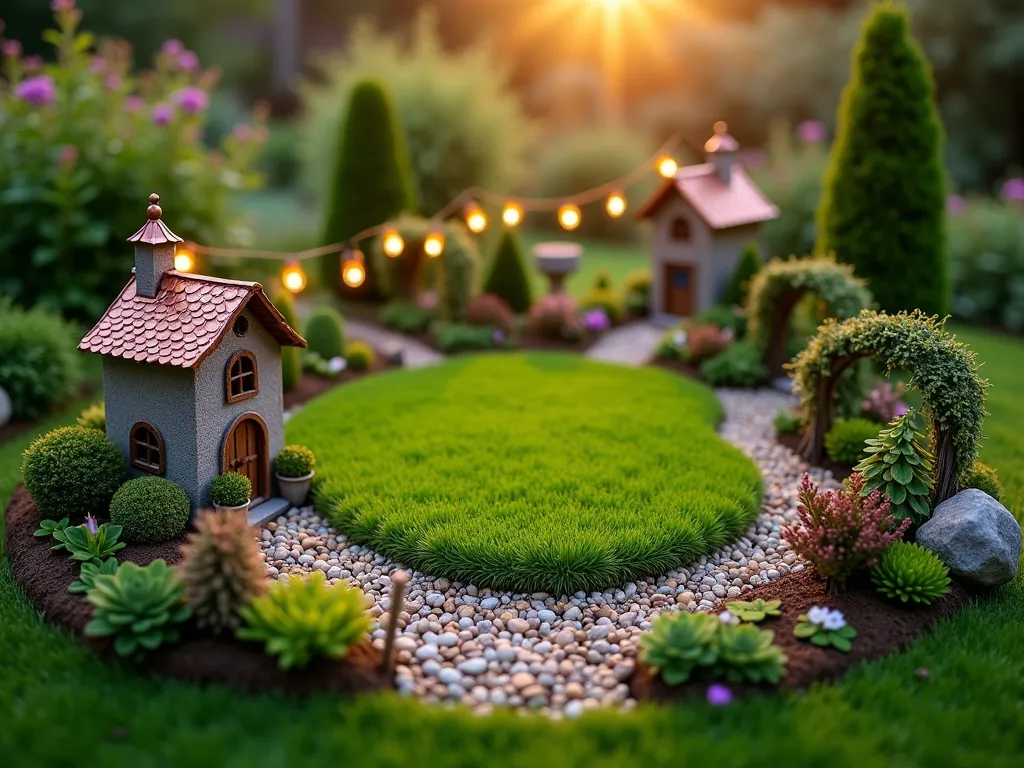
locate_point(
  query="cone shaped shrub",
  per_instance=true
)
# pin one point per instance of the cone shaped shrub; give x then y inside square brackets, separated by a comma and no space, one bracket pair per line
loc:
[221,569]
[372,182]
[900,466]
[883,207]
[508,279]
[291,361]
[749,265]
[909,572]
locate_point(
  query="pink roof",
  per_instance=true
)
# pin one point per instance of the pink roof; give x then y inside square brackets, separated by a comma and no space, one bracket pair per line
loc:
[184,322]
[719,204]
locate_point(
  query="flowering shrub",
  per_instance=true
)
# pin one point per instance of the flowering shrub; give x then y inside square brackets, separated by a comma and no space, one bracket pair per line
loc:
[554,317]
[488,309]
[85,142]
[705,342]
[884,403]
[842,531]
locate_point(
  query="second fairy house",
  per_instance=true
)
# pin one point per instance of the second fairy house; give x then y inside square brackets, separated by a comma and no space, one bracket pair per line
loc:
[702,217]
[192,373]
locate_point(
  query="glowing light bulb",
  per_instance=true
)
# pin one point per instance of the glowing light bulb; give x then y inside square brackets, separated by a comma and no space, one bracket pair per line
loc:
[353,271]
[476,220]
[433,246]
[569,217]
[668,167]
[616,205]
[512,214]
[184,259]
[293,277]
[393,243]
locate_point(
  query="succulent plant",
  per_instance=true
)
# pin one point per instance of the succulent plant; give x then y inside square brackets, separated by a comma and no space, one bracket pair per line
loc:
[87,575]
[138,606]
[755,610]
[92,543]
[746,654]
[56,529]
[680,643]
[900,466]
[221,569]
[909,572]
[303,618]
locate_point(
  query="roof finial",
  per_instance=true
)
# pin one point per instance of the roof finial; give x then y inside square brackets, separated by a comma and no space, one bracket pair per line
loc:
[154,211]
[720,128]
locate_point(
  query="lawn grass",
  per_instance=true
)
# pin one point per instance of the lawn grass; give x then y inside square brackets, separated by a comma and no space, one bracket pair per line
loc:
[530,472]
[61,706]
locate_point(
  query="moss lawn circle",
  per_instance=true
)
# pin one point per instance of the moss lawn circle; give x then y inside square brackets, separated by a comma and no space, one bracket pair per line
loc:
[530,472]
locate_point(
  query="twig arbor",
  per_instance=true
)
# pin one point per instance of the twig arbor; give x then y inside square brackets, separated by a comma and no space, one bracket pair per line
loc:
[942,369]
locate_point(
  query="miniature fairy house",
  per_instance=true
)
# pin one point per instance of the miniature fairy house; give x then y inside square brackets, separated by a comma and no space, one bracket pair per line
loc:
[702,219]
[192,372]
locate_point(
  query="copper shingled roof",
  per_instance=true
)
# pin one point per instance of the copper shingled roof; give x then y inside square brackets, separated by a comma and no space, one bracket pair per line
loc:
[721,205]
[184,322]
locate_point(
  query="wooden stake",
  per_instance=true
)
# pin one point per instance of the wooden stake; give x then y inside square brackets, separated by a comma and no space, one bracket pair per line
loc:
[398,581]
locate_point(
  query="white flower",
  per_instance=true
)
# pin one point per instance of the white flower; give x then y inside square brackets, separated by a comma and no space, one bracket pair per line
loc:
[679,339]
[727,618]
[834,620]
[336,364]
[818,614]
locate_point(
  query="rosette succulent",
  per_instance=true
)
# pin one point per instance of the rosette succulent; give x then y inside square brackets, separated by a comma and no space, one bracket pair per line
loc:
[909,572]
[680,643]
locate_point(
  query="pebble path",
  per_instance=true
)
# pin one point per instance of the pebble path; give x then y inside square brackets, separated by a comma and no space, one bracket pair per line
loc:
[556,654]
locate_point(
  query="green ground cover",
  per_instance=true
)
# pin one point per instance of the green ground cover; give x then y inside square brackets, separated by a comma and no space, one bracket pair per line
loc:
[530,472]
[61,706]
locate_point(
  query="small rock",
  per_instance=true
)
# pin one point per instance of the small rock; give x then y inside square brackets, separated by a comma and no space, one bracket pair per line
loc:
[475,666]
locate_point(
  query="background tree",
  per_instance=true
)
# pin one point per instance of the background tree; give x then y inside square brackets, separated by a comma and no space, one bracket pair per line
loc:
[507,278]
[372,181]
[291,362]
[748,266]
[883,208]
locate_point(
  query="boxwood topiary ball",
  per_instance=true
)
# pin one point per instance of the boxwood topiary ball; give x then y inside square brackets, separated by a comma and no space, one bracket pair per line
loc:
[71,471]
[845,442]
[150,510]
[984,478]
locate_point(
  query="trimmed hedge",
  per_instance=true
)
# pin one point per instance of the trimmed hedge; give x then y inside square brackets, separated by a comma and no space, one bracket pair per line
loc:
[847,440]
[359,355]
[942,369]
[150,510]
[72,471]
[325,333]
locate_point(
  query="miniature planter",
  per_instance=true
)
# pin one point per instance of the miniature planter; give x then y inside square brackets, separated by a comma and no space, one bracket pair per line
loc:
[295,467]
[231,492]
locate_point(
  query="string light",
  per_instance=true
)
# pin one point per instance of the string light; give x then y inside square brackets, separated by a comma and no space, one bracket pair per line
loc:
[353,267]
[393,243]
[512,214]
[616,205]
[293,277]
[433,245]
[185,258]
[569,217]
[476,220]
[668,167]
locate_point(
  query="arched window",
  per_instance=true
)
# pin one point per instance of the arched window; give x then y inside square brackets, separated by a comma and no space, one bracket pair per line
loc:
[147,448]
[242,381]
[680,229]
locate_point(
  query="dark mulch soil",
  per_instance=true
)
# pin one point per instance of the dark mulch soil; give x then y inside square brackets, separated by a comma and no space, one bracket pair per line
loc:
[311,385]
[839,471]
[677,366]
[12,429]
[883,627]
[45,576]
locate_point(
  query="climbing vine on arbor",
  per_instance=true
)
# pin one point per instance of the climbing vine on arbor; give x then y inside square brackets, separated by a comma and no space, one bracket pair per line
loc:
[779,286]
[942,369]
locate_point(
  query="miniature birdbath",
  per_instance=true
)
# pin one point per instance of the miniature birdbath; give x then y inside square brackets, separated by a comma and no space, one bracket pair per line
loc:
[557,261]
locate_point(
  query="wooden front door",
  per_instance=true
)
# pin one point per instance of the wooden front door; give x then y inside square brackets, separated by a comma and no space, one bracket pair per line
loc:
[679,285]
[245,452]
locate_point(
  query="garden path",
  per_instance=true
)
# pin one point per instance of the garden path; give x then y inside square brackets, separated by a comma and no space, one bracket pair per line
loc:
[630,344]
[415,353]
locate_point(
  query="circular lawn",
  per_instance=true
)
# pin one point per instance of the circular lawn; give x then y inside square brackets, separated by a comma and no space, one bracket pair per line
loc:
[530,472]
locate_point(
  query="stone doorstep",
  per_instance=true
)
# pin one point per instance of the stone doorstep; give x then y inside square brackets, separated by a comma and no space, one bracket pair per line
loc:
[267,510]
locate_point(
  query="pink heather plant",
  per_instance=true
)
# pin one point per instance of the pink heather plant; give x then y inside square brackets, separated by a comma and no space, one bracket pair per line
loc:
[842,531]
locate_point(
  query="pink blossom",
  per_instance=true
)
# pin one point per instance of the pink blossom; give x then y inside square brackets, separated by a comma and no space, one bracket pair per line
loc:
[427,300]
[112,82]
[98,65]
[188,60]
[162,114]
[718,695]
[61,5]
[133,104]
[33,63]
[242,132]
[1013,189]
[12,49]
[811,132]
[955,205]
[172,47]
[38,91]
[192,99]
[68,156]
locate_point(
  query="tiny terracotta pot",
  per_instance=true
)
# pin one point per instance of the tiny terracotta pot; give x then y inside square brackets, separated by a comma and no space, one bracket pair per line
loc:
[294,490]
[241,508]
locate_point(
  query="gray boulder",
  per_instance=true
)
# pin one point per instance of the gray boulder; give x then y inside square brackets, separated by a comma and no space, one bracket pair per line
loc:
[975,536]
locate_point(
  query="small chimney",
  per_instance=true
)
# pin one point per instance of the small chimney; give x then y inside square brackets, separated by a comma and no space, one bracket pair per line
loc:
[154,250]
[721,150]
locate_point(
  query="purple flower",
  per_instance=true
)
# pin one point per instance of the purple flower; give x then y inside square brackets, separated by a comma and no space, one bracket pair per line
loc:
[172,47]
[12,49]
[37,91]
[192,99]
[718,695]
[188,60]
[133,104]
[61,5]
[90,525]
[498,337]
[955,205]
[33,63]
[900,408]
[811,132]
[1013,189]
[162,114]
[596,321]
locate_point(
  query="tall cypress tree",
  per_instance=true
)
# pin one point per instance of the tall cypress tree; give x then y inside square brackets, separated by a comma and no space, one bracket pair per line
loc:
[507,278]
[883,208]
[291,362]
[748,265]
[372,182]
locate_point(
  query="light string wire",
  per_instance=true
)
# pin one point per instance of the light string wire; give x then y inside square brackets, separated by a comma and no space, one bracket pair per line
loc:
[460,201]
